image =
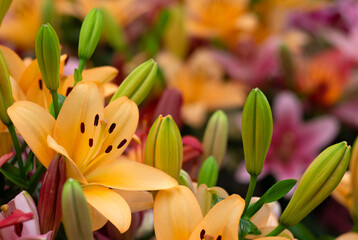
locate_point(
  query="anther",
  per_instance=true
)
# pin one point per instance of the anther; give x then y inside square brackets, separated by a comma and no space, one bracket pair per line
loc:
[121,143]
[219,237]
[111,128]
[202,234]
[82,127]
[90,142]
[108,149]
[69,89]
[96,119]
[40,84]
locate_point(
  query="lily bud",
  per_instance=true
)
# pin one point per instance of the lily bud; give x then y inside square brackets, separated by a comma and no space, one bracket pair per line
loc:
[215,137]
[353,168]
[138,83]
[164,147]
[317,183]
[184,179]
[113,32]
[48,53]
[209,172]
[75,211]
[4,6]
[90,34]
[170,103]
[256,128]
[5,91]
[49,205]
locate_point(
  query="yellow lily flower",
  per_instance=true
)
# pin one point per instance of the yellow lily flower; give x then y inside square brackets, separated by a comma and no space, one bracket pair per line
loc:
[5,140]
[228,20]
[177,216]
[201,81]
[91,138]
[348,236]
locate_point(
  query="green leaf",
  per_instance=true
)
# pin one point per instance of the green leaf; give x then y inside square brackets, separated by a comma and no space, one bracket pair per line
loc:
[11,173]
[247,227]
[61,100]
[215,199]
[276,192]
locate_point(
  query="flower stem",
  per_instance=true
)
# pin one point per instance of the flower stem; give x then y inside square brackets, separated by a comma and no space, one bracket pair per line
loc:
[55,102]
[250,192]
[277,230]
[16,143]
[35,179]
[355,225]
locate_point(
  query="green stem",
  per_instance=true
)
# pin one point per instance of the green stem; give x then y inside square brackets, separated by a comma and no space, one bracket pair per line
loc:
[16,143]
[35,179]
[81,65]
[277,230]
[55,103]
[355,224]
[29,159]
[250,192]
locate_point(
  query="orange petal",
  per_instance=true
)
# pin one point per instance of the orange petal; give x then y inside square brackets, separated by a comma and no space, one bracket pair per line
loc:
[14,63]
[129,175]
[137,200]
[38,93]
[110,204]
[17,91]
[176,214]
[31,73]
[34,124]
[77,127]
[223,219]
[98,220]
[348,236]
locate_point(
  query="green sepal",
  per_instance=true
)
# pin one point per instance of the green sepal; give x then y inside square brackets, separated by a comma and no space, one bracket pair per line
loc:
[247,227]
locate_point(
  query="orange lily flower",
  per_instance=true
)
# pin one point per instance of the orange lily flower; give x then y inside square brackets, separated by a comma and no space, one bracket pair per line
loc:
[201,81]
[348,236]
[177,216]
[91,139]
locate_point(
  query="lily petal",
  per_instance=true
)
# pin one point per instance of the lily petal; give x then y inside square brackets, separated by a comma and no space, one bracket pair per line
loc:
[223,219]
[137,200]
[176,214]
[98,220]
[14,63]
[129,175]
[77,127]
[110,204]
[34,124]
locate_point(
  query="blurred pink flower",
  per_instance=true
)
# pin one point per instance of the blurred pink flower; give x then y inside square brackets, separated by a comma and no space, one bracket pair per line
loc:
[295,143]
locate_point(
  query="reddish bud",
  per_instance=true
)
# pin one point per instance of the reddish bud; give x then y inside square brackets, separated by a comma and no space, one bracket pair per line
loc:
[170,104]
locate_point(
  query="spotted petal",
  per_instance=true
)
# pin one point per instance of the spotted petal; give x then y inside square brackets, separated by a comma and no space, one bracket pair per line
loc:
[222,220]
[128,175]
[176,214]
[110,204]
[34,124]
[78,125]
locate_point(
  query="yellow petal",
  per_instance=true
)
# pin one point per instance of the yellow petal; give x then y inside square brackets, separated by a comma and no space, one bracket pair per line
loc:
[5,143]
[14,63]
[261,218]
[99,74]
[176,214]
[77,127]
[122,116]
[223,219]
[110,204]
[17,91]
[343,193]
[129,175]
[34,124]
[38,93]
[137,200]
[98,220]
[348,236]
[286,234]
[72,170]
[272,238]
[31,73]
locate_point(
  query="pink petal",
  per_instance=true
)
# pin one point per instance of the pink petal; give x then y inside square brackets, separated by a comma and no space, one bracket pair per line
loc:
[348,112]
[6,157]
[15,217]
[287,109]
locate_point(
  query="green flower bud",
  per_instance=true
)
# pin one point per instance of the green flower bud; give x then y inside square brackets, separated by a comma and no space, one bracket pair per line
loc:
[209,172]
[164,147]
[138,83]
[113,32]
[353,167]
[4,6]
[184,179]
[75,211]
[317,183]
[48,53]
[215,137]
[5,91]
[90,34]
[256,128]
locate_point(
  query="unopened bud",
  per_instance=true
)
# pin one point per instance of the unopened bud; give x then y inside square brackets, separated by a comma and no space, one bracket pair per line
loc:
[209,172]
[170,104]
[215,137]
[184,179]
[4,6]
[138,83]
[256,128]
[90,34]
[48,53]
[113,32]
[49,205]
[317,183]
[164,147]
[75,211]
[353,168]
[5,91]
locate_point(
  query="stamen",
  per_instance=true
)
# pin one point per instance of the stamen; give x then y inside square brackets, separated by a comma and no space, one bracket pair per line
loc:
[219,237]
[121,143]
[82,127]
[40,84]
[96,119]
[69,89]
[202,234]
[111,128]
[90,142]
[108,149]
